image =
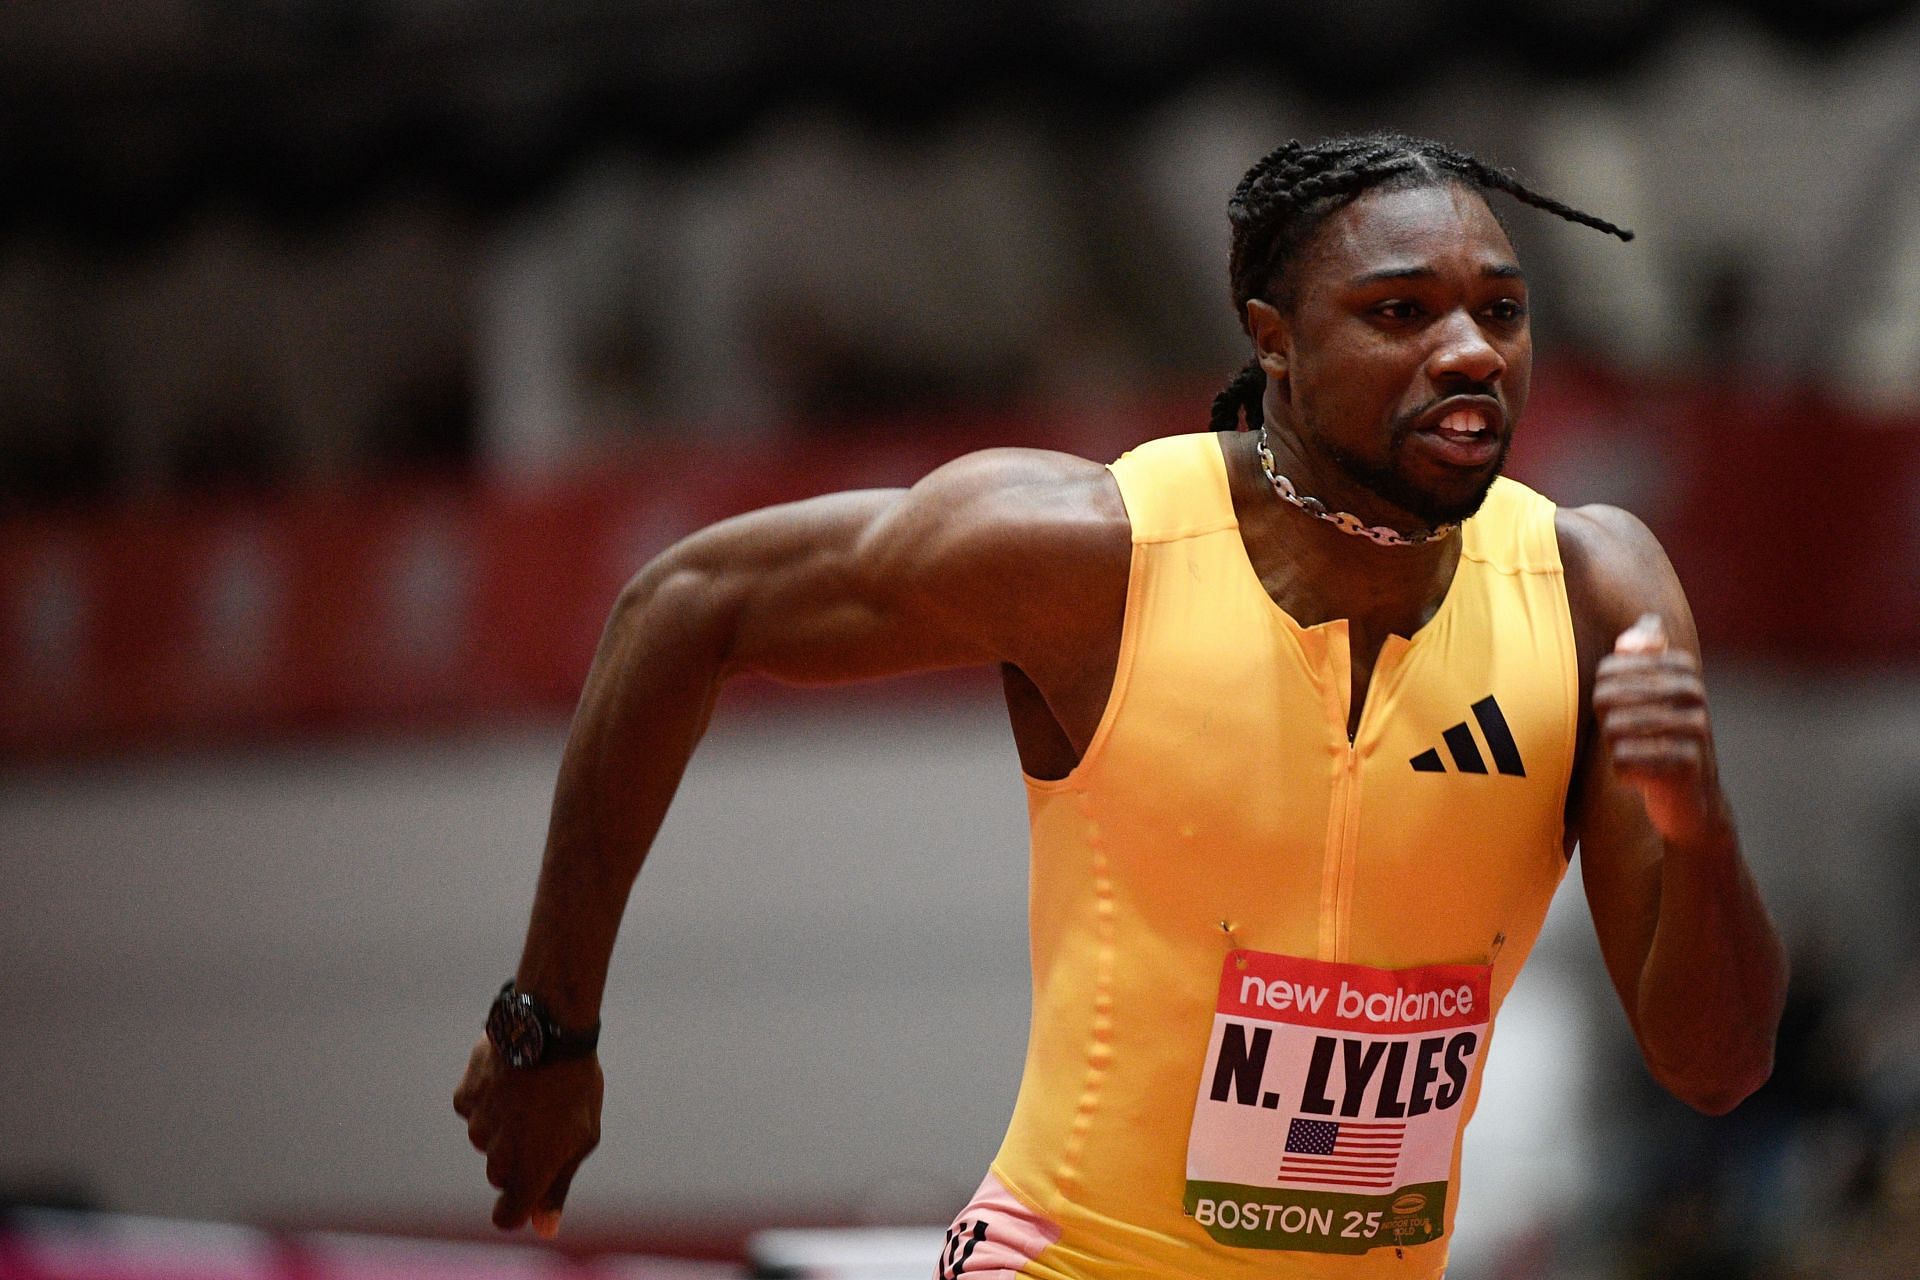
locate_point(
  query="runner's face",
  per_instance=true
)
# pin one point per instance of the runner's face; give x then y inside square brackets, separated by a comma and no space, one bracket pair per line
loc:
[1405,301]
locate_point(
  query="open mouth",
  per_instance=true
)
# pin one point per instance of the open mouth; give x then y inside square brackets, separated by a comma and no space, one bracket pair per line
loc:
[1466,436]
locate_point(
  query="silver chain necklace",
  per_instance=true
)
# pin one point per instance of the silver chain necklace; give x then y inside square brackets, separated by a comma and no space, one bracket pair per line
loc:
[1344,521]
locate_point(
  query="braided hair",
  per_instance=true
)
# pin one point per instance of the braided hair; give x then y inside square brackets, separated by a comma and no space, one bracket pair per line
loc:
[1293,188]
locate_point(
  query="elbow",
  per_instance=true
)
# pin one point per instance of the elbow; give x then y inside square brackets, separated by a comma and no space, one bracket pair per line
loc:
[1716,1088]
[678,585]
[1715,1064]
[1718,1101]
[664,579]
[675,608]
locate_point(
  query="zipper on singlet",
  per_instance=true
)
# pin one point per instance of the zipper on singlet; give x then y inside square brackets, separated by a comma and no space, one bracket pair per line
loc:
[1336,906]
[1343,818]
[1342,803]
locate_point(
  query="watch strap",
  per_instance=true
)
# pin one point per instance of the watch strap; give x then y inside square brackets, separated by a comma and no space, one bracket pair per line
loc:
[526,1034]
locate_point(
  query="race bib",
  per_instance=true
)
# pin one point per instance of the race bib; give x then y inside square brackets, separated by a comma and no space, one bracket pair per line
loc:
[1330,1102]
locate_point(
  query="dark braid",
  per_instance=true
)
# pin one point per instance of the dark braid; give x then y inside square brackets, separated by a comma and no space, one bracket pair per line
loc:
[1487,177]
[1246,387]
[1292,189]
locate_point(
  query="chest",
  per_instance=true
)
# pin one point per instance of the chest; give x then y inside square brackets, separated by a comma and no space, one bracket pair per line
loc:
[1345,788]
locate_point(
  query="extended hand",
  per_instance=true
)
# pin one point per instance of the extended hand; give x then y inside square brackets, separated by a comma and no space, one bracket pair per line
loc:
[535,1125]
[1652,709]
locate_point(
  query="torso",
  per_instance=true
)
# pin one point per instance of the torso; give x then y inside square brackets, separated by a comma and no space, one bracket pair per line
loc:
[1159,854]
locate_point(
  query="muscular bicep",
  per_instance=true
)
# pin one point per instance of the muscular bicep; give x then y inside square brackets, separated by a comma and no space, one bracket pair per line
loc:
[856,586]
[801,593]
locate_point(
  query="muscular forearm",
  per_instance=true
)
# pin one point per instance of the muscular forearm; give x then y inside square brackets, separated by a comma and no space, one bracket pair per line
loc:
[646,701]
[1711,990]
[1687,938]
[644,706]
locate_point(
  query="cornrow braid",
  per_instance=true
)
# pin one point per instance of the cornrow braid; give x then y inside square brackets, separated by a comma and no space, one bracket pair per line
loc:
[1294,187]
[1487,177]
[1244,388]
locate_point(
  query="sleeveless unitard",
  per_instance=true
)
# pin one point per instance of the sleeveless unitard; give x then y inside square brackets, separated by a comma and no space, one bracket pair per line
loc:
[1266,959]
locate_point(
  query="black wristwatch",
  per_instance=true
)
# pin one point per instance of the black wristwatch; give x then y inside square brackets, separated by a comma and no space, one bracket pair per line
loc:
[525,1034]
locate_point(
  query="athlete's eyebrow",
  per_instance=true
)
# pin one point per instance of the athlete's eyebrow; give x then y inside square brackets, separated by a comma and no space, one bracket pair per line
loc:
[1492,271]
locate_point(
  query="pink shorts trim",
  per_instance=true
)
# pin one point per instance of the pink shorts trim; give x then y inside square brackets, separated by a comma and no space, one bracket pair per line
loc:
[994,1237]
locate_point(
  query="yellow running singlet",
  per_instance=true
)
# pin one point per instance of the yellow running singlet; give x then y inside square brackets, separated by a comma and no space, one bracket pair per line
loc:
[1266,960]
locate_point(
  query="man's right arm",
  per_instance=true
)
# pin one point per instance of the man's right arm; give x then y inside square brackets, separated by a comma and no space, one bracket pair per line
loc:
[975,564]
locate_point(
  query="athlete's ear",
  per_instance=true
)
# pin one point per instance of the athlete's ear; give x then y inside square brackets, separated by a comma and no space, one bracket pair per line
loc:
[1271,340]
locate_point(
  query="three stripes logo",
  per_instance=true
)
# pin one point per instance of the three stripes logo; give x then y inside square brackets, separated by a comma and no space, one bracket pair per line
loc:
[1466,752]
[962,1239]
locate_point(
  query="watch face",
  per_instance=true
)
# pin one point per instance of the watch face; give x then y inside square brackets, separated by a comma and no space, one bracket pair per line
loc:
[515,1030]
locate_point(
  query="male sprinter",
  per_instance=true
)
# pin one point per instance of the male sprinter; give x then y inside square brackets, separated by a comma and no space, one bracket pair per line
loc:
[1313,709]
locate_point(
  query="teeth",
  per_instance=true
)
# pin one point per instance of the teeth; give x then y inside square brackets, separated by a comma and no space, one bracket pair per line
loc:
[1463,422]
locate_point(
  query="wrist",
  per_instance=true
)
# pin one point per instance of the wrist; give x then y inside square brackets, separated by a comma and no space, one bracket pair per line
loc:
[563,984]
[525,1033]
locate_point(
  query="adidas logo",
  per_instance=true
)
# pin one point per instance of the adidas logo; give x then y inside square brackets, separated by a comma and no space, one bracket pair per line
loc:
[1466,752]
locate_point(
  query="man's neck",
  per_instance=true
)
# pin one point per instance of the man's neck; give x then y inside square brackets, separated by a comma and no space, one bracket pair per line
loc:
[1318,572]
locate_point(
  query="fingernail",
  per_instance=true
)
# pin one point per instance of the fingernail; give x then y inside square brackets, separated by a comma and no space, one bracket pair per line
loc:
[546,1224]
[1647,632]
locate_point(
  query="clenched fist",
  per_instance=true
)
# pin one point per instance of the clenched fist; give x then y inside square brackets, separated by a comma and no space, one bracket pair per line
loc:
[1651,705]
[535,1125]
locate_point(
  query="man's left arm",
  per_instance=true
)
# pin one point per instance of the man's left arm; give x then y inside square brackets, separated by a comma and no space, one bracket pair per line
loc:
[1687,939]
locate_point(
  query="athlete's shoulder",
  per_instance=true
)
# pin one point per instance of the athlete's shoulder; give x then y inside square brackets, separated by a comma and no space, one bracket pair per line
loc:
[1007,481]
[1615,567]
[1018,501]
[1607,547]
[1008,537]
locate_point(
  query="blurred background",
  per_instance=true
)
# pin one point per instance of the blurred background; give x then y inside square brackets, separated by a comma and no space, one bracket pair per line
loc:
[353,352]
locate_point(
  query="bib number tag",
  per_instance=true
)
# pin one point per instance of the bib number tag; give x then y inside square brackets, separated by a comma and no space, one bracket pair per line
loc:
[1331,1101]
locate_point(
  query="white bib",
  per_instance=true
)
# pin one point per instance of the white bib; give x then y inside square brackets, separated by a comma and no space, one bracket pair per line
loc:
[1331,1100]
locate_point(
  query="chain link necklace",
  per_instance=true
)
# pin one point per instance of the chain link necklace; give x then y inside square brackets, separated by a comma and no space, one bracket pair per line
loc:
[1344,521]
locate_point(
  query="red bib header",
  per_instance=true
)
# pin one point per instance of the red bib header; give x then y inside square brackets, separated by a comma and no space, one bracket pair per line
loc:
[1352,997]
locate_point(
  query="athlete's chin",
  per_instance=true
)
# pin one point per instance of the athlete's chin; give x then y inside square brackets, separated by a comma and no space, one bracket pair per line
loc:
[1468,504]
[1445,493]
[1452,498]
[1431,490]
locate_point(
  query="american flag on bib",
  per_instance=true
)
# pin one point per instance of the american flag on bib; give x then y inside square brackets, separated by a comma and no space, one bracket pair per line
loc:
[1342,1153]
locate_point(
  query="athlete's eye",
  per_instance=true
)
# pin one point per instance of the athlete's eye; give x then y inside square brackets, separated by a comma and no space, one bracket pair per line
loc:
[1508,310]
[1397,309]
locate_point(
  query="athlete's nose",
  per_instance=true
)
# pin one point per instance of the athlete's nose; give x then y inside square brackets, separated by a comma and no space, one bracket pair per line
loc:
[1462,352]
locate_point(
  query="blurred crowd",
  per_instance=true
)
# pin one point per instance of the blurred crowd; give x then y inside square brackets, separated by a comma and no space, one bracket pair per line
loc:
[842,251]
[1817,1175]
